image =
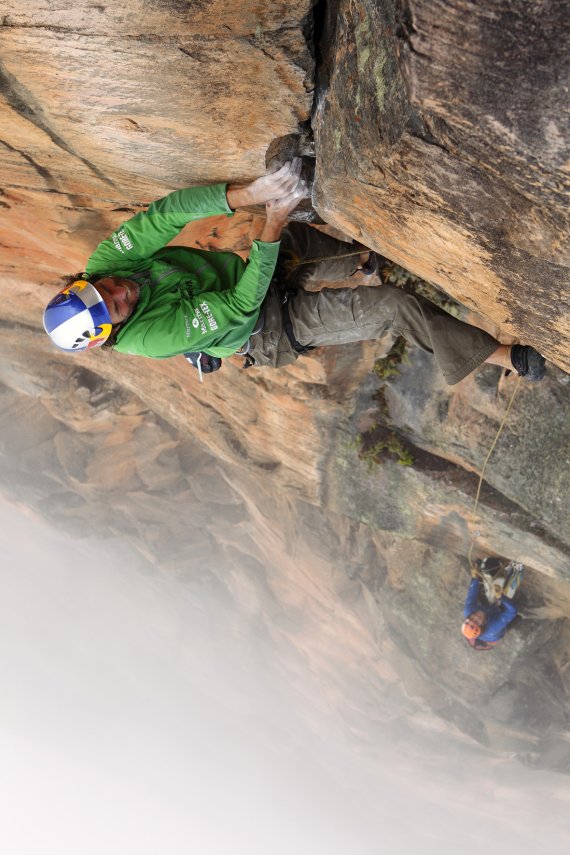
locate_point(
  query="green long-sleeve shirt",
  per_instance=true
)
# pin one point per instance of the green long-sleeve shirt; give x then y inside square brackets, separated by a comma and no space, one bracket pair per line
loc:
[190,300]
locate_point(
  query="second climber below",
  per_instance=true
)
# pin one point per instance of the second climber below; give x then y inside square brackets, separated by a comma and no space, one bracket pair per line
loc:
[485,623]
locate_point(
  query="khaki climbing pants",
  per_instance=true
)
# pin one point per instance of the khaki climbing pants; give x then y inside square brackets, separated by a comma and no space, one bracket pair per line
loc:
[343,315]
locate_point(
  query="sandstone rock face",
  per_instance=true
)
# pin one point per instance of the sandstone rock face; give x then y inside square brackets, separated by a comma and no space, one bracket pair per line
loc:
[108,107]
[250,485]
[442,141]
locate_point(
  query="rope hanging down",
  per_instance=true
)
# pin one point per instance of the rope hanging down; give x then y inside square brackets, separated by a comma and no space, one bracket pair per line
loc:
[482,475]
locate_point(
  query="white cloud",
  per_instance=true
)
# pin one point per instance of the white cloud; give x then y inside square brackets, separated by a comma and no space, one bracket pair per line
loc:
[132,720]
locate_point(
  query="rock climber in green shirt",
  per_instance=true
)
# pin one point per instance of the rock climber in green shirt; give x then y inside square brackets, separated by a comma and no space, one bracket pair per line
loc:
[149,299]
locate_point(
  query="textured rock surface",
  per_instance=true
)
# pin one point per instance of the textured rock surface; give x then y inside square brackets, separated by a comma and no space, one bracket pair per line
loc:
[442,141]
[250,484]
[107,107]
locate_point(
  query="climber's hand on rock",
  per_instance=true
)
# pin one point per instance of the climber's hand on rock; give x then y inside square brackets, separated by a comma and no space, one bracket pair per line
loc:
[276,185]
[280,208]
[277,211]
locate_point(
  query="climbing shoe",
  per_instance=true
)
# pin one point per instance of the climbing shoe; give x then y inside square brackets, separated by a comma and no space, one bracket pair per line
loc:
[527,361]
[371,266]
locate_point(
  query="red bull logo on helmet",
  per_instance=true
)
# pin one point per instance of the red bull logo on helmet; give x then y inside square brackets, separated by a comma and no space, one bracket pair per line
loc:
[77,318]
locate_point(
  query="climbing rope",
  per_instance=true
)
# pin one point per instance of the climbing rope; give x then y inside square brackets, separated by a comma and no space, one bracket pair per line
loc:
[297,262]
[482,475]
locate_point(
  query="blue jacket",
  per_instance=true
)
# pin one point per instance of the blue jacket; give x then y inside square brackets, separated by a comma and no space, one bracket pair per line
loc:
[499,616]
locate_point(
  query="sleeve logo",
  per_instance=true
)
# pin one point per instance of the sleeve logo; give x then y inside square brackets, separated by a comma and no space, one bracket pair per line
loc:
[121,237]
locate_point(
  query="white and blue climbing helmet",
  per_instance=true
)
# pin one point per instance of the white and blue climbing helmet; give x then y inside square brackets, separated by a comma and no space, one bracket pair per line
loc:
[77,318]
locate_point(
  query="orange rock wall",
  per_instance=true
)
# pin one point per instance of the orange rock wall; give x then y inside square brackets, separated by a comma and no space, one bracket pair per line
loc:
[106,108]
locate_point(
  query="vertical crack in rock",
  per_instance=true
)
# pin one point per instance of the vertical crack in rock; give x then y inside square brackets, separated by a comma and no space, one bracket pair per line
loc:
[321,31]
[381,75]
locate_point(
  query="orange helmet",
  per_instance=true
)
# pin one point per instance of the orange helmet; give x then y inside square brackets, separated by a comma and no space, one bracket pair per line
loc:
[470,629]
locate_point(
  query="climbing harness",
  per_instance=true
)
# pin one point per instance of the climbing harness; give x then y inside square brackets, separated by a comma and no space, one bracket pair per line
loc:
[504,583]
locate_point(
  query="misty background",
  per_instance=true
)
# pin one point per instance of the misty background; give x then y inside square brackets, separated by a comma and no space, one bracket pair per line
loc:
[137,717]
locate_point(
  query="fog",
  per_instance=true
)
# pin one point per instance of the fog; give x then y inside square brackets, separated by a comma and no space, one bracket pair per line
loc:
[138,716]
